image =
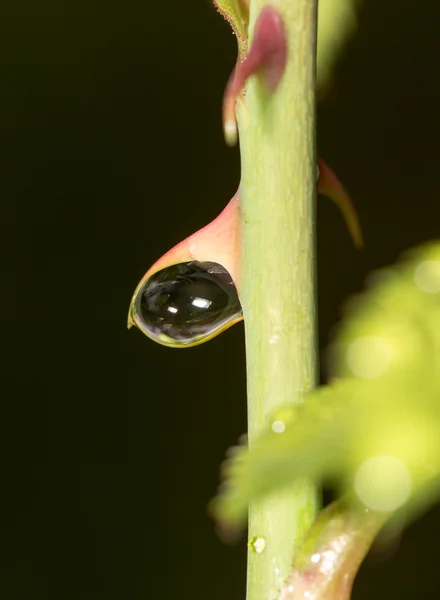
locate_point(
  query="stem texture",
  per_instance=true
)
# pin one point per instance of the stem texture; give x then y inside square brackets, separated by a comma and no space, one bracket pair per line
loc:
[278,274]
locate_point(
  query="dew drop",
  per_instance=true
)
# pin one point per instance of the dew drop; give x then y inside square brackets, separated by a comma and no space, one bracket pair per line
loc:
[278,427]
[186,304]
[257,544]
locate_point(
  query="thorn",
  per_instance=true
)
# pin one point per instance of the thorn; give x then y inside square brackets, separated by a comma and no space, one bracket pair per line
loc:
[267,57]
[330,186]
[230,126]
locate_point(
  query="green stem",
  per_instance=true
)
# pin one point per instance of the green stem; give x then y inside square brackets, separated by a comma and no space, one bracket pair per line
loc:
[278,291]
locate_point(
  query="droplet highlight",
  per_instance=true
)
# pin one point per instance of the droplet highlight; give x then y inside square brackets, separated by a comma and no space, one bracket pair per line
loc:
[278,427]
[257,544]
[186,304]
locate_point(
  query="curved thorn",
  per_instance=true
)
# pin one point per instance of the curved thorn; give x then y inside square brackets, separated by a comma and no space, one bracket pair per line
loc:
[330,186]
[266,56]
[326,565]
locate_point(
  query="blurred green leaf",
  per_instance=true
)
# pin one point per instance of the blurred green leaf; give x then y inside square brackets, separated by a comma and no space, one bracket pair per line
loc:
[337,21]
[375,432]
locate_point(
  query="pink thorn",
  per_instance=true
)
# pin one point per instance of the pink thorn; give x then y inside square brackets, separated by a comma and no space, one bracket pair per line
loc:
[267,56]
[330,186]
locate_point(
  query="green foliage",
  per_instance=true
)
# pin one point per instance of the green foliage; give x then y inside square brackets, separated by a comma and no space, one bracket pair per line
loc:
[336,23]
[236,13]
[374,431]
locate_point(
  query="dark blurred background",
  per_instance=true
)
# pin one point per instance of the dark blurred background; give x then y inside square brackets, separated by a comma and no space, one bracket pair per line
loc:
[111,152]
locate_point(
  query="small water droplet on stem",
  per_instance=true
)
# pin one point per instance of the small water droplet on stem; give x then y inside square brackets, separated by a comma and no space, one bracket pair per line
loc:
[257,544]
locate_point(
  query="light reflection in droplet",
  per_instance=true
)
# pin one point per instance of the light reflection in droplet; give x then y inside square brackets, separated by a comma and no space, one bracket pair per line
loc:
[201,302]
[315,558]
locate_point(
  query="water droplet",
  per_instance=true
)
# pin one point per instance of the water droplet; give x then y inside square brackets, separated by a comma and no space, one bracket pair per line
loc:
[383,483]
[278,427]
[186,304]
[427,276]
[257,544]
[368,357]
[315,558]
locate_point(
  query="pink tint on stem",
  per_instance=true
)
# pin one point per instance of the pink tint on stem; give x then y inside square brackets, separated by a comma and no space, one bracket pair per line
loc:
[329,185]
[267,57]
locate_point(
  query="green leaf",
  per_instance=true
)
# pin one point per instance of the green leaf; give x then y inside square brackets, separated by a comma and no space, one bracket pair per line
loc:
[337,22]
[375,431]
[236,12]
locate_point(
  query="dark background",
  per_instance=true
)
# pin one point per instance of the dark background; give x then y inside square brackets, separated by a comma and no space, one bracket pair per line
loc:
[111,151]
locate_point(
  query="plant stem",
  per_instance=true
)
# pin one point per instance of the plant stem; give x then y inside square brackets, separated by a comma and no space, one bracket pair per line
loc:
[278,290]
[332,553]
